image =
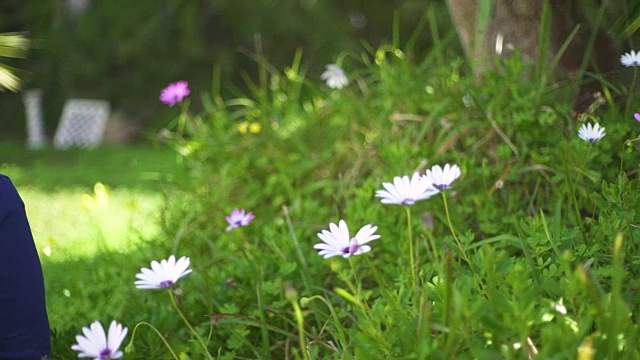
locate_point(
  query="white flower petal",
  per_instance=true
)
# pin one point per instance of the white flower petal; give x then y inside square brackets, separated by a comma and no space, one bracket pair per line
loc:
[335,77]
[337,242]
[441,179]
[631,58]
[591,133]
[163,274]
[94,343]
[405,190]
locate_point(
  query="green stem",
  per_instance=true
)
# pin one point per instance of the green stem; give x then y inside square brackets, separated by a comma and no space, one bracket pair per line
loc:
[631,89]
[448,301]
[300,321]
[355,276]
[412,258]
[336,320]
[432,242]
[133,336]
[296,243]
[193,331]
[453,232]
[574,199]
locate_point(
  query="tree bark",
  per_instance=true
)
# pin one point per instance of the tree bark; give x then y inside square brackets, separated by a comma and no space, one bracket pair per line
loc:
[515,24]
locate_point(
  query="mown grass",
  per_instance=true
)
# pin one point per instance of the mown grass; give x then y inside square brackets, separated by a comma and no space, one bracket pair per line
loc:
[93,213]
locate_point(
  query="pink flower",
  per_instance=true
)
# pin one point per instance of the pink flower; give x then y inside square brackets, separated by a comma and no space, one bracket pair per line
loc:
[238,218]
[637,116]
[174,93]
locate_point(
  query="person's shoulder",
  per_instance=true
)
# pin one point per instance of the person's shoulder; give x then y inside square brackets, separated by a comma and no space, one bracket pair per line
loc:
[5,183]
[8,193]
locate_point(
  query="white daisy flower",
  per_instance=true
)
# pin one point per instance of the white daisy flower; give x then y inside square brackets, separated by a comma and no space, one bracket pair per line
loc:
[99,346]
[337,241]
[631,58]
[443,178]
[406,191]
[591,133]
[335,77]
[163,274]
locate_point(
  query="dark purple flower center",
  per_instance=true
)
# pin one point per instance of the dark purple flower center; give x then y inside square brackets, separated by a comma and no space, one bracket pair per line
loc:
[166,284]
[351,249]
[408,201]
[441,186]
[105,354]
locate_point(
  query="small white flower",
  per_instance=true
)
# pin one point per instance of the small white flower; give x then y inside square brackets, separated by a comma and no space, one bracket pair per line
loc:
[406,191]
[591,133]
[163,274]
[335,77]
[631,58]
[337,242]
[443,178]
[95,344]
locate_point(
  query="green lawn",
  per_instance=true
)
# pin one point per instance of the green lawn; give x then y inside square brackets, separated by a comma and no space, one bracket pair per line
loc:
[81,202]
[89,210]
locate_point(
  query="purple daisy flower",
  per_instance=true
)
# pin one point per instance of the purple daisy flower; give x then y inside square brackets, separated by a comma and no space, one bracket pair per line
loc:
[175,92]
[238,218]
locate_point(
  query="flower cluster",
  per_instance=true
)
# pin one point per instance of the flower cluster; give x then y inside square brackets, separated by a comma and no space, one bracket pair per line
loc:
[94,343]
[405,191]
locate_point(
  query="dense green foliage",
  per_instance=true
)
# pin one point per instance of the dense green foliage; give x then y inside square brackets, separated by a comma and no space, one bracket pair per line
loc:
[546,221]
[535,255]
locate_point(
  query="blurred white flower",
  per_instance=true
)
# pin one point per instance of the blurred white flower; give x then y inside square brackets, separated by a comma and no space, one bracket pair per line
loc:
[591,133]
[335,77]
[406,191]
[631,58]
[467,100]
[99,346]
[163,274]
[337,241]
[443,178]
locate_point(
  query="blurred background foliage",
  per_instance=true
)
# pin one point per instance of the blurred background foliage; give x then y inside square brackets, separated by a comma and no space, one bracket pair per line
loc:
[127,51]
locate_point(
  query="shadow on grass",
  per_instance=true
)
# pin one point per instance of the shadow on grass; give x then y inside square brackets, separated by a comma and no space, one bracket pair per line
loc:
[136,167]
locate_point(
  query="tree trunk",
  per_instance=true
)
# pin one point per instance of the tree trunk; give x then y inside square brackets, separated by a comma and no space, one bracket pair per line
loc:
[515,24]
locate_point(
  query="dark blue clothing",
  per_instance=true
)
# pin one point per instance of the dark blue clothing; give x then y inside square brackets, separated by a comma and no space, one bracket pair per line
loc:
[24,326]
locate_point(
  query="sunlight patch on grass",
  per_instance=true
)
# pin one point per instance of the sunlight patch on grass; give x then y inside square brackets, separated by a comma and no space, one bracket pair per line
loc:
[73,223]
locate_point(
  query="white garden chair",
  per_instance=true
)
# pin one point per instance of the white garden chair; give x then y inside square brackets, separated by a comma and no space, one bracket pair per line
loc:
[32,100]
[82,123]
